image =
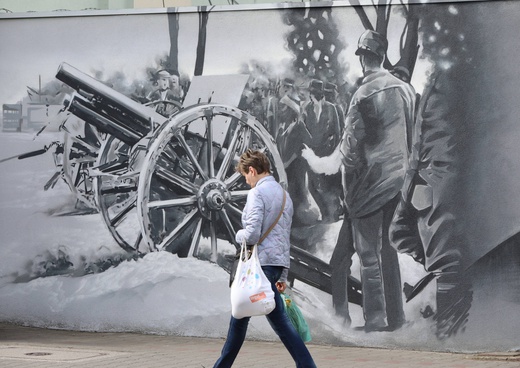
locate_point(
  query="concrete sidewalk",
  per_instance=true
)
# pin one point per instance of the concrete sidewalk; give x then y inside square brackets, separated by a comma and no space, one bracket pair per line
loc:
[33,347]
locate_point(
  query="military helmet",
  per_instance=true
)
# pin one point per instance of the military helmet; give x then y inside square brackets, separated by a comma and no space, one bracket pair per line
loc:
[373,42]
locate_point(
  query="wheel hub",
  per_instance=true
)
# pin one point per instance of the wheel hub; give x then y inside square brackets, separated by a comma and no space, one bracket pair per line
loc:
[212,196]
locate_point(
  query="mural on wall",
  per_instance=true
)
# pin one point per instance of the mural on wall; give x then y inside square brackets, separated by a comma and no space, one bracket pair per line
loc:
[391,126]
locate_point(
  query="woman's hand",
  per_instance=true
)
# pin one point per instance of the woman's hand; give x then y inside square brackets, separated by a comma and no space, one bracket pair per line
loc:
[281,286]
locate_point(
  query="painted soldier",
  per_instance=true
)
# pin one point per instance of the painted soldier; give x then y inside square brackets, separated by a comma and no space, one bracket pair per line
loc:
[331,95]
[373,156]
[425,226]
[283,110]
[292,134]
[168,89]
[322,122]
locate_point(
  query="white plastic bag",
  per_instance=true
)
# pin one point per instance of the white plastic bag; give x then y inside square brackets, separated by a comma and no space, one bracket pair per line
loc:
[251,293]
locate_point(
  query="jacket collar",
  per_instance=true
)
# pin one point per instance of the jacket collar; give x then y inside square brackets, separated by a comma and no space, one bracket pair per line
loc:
[263,180]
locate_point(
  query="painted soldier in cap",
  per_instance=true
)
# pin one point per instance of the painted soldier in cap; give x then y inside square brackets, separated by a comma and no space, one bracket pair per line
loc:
[168,89]
[373,156]
[322,122]
[331,95]
[290,139]
[283,109]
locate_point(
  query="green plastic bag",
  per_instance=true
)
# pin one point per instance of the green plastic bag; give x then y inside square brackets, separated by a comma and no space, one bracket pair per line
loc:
[296,317]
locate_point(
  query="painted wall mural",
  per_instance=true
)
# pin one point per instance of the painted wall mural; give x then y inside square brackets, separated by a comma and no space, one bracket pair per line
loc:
[392,126]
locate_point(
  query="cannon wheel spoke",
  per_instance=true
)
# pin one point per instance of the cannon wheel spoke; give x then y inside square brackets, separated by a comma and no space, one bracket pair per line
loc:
[233,179]
[172,236]
[183,201]
[209,143]
[195,241]
[230,154]
[213,238]
[238,195]
[233,210]
[118,218]
[229,226]
[175,180]
[191,155]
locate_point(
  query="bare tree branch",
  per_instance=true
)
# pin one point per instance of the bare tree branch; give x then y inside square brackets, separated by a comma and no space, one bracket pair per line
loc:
[410,40]
[382,21]
[362,15]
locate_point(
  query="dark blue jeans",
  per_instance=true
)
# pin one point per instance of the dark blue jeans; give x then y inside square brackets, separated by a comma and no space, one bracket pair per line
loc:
[280,323]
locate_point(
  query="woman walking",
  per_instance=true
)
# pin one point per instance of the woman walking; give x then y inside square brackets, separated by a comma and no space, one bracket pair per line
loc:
[263,206]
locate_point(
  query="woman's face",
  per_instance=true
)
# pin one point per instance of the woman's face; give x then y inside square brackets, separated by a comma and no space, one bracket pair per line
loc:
[250,176]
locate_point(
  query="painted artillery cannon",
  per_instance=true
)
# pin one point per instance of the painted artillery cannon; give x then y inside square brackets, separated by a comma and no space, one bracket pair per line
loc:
[169,183]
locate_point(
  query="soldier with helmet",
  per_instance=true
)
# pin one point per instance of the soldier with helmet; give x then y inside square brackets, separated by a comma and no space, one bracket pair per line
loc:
[372,156]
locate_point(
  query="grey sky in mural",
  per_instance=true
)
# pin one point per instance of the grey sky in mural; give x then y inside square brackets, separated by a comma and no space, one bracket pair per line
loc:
[437,177]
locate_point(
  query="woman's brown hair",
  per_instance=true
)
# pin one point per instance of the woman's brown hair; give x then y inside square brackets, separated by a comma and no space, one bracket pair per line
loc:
[255,159]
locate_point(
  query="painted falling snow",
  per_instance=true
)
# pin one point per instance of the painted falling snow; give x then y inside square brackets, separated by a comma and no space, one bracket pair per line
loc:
[122,216]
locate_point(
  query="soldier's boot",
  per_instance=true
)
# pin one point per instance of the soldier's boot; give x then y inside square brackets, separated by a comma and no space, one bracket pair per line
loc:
[454,297]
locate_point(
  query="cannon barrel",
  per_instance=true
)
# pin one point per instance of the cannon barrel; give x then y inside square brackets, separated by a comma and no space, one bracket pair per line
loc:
[108,110]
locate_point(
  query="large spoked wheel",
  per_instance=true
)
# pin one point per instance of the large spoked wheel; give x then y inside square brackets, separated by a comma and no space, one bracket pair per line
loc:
[190,198]
[116,195]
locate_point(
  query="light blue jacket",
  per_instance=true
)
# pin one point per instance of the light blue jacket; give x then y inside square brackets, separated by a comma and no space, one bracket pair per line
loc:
[263,205]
